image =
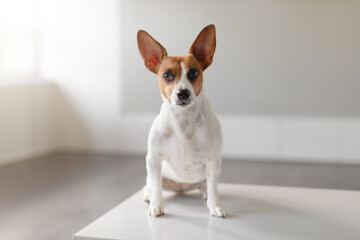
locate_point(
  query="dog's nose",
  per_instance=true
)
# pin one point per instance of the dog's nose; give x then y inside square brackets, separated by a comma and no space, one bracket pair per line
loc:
[183,94]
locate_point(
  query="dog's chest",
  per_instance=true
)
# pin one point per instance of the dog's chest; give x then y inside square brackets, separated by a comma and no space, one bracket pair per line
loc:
[184,153]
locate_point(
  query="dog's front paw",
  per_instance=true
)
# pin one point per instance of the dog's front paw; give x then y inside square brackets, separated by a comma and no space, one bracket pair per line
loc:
[147,194]
[217,211]
[155,210]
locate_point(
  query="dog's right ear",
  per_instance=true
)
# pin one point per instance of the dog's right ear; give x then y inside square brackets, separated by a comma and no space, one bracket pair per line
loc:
[151,51]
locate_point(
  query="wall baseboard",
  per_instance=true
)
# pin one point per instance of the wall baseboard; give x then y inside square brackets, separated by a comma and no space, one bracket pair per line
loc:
[255,138]
[291,138]
[26,157]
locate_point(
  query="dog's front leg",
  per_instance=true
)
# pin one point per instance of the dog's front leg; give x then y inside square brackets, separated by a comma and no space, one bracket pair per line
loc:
[153,167]
[213,169]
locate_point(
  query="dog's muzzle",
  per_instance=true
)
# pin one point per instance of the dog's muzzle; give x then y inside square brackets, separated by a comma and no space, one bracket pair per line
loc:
[183,97]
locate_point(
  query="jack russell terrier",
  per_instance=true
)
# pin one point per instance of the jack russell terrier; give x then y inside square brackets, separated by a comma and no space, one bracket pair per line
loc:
[184,144]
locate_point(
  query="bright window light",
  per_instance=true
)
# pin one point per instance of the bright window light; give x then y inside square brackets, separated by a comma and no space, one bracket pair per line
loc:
[17,39]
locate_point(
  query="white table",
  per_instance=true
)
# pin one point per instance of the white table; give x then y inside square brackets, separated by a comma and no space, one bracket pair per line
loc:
[255,212]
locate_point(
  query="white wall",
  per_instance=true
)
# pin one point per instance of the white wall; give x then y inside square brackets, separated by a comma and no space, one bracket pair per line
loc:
[25,127]
[83,56]
[83,110]
[275,57]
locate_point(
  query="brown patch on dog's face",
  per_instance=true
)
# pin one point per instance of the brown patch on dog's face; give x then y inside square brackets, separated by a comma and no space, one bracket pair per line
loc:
[172,66]
[192,65]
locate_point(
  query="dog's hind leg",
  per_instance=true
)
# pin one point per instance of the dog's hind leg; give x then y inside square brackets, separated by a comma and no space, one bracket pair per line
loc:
[171,185]
[203,190]
[202,186]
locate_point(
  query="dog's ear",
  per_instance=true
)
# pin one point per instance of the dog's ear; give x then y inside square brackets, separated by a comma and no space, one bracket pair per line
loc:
[204,46]
[151,51]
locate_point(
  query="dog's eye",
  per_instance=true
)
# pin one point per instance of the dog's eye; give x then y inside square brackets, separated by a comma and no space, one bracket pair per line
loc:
[168,76]
[192,74]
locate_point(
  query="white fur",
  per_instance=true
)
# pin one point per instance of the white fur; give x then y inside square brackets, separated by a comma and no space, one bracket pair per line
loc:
[184,146]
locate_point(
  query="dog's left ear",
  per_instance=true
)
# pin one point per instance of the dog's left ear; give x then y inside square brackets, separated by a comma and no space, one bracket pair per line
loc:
[204,46]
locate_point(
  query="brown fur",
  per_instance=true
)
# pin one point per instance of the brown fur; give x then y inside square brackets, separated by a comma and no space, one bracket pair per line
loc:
[151,51]
[191,62]
[174,63]
[157,61]
[204,46]
[168,63]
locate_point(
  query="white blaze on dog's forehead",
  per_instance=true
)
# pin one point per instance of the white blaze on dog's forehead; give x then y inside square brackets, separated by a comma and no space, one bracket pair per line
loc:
[184,82]
[183,70]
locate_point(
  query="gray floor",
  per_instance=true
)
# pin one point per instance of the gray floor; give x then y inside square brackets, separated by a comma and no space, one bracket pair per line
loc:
[52,198]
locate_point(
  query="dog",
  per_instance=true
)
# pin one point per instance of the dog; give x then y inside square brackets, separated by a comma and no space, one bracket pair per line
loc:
[185,139]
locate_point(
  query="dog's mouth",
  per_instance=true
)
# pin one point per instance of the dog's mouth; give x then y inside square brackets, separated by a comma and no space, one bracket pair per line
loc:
[182,103]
